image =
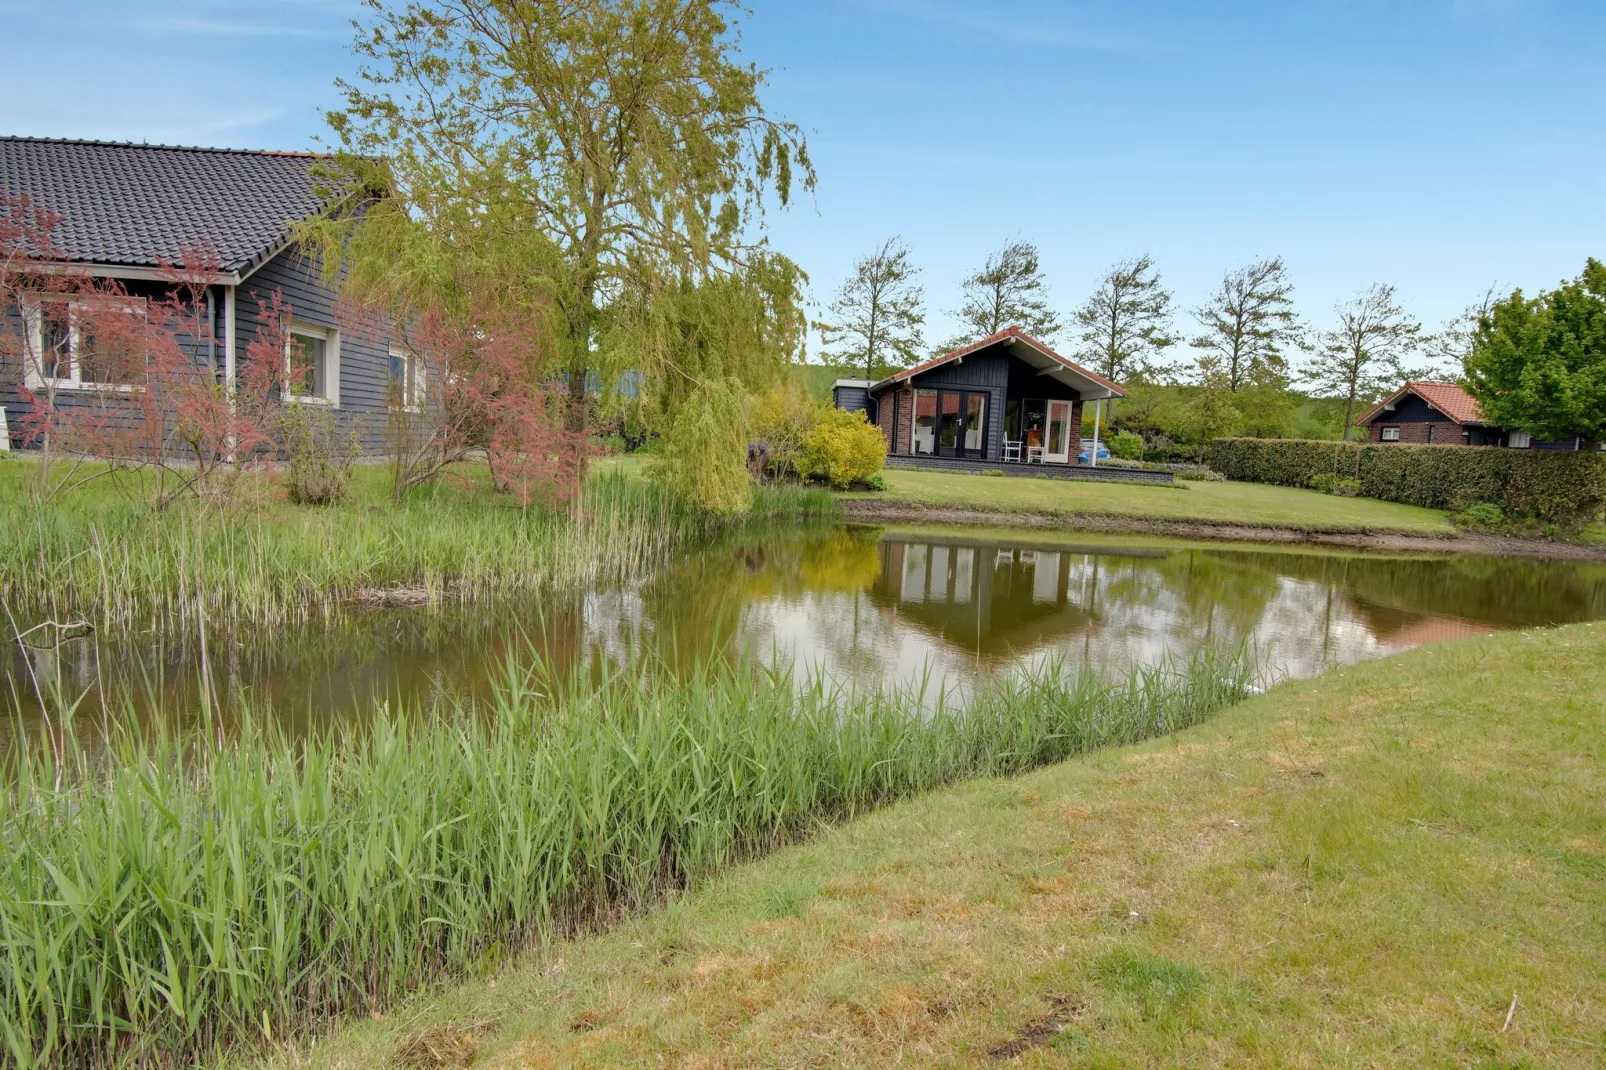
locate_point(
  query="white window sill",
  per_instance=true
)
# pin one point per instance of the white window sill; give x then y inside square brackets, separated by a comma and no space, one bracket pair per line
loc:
[313,399]
[72,386]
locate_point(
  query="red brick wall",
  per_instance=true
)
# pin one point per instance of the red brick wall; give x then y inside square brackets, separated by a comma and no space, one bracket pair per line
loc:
[902,435]
[1444,434]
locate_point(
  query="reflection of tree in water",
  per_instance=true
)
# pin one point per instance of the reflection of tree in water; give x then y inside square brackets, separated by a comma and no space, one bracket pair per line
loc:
[868,607]
[1498,592]
[1191,597]
[309,675]
[698,608]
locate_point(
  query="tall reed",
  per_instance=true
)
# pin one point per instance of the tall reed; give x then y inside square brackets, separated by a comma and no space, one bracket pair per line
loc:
[117,565]
[181,894]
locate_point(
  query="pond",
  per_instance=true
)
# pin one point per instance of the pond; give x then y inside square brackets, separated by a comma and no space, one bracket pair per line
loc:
[868,606]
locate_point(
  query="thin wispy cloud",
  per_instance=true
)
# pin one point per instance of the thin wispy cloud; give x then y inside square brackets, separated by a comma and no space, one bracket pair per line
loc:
[1018,30]
[214,27]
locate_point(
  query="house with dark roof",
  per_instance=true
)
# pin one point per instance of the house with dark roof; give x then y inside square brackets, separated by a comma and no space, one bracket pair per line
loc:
[1005,403]
[1444,414]
[128,210]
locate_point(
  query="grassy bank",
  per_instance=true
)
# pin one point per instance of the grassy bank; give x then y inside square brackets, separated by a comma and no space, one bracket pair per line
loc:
[105,556]
[1247,504]
[171,897]
[1398,864]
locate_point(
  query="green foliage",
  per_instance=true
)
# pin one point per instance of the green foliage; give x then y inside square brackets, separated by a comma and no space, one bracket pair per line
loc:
[1265,412]
[878,482]
[877,315]
[703,459]
[1211,412]
[318,458]
[1124,326]
[1125,445]
[842,448]
[1009,290]
[782,419]
[266,886]
[1540,364]
[1481,516]
[1566,488]
[587,158]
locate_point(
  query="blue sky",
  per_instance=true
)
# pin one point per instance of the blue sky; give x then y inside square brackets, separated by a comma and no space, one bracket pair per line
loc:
[1440,145]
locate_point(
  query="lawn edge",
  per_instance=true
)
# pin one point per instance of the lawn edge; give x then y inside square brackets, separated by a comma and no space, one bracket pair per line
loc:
[860,510]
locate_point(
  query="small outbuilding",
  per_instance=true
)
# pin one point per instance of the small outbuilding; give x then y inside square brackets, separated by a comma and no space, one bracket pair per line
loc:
[1444,414]
[1002,401]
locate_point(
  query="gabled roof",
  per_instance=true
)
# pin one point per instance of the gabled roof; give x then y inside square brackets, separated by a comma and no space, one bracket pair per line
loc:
[1447,398]
[134,206]
[1054,363]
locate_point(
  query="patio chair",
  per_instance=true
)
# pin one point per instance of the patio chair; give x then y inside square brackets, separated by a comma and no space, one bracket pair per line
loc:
[1034,446]
[1012,450]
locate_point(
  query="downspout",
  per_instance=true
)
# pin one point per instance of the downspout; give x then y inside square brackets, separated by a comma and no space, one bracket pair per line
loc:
[211,331]
[1093,456]
[229,332]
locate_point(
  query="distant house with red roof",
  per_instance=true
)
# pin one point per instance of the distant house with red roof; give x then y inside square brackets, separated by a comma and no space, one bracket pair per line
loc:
[1006,400]
[1444,414]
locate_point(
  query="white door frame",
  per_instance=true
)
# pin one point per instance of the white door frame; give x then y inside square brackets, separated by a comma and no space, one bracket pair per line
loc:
[1063,457]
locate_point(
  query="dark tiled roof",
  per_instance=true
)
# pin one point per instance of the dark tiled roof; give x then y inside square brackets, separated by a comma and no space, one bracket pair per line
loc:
[1448,398]
[136,205]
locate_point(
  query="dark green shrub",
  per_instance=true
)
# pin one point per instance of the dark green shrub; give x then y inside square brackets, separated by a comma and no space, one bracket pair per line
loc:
[877,482]
[1481,516]
[1565,488]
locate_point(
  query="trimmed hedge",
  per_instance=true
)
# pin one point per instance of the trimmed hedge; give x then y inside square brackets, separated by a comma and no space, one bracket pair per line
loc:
[1560,487]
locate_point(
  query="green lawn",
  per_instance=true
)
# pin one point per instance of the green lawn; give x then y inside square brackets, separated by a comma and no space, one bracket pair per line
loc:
[1216,503]
[1398,864]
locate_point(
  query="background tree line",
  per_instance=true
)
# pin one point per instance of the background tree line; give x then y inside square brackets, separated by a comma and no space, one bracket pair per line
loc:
[1242,361]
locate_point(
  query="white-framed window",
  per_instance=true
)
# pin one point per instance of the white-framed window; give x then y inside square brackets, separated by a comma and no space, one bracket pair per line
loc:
[405,381]
[1389,434]
[312,361]
[1520,440]
[62,348]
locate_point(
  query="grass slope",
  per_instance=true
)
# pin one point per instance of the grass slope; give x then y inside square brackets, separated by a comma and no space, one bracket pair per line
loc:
[1250,504]
[1358,870]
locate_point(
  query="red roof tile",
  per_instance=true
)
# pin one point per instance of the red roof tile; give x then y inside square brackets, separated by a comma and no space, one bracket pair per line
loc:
[992,339]
[1448,398]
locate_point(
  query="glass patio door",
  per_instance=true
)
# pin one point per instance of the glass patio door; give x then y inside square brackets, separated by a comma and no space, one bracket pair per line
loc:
[1058,446]
[961,424]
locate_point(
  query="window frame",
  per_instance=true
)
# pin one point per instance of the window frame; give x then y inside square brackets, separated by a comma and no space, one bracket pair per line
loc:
[1388,434]
[34,376]
[329,394]
[413,392]
[1526,443]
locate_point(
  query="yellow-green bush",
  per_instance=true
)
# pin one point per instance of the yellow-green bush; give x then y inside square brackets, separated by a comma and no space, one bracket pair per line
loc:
[842,448]
[782,420]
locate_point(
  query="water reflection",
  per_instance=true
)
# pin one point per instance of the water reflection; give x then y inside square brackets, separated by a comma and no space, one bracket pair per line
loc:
[864,605]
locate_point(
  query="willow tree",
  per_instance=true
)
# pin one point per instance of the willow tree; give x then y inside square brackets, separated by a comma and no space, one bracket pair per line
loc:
[572,154]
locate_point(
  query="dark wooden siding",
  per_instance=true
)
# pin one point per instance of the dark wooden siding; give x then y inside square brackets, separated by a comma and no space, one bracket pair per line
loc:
[67,398]
[364,361]
[1024,382]
[984,372]
[852,399]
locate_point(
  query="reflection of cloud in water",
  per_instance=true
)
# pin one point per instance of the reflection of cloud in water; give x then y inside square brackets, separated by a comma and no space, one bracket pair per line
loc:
[958,607]
[861,607]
